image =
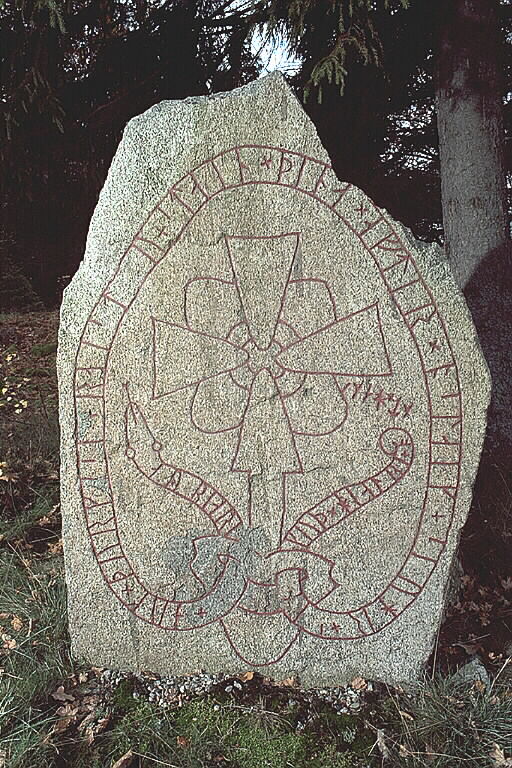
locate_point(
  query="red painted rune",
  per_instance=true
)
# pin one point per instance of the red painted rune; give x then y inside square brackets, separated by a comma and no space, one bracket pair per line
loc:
[271,428]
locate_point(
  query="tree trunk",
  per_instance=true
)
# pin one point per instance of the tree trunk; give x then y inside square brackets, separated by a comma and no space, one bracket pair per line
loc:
[469,118]
[470,126]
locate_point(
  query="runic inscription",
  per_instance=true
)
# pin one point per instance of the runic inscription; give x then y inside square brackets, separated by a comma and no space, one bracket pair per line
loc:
[272,402]
[294,363]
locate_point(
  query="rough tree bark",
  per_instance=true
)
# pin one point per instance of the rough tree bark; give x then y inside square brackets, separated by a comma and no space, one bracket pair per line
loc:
[470,126]
[477,241]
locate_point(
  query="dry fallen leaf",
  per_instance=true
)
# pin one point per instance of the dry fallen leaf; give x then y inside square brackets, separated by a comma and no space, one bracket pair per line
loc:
[9,642]
[16,623]
[61,695]
[84,723]
[358,684]
[62,724]
[89,736]
[247,676]
[91,731]
[67,710]
[6,477]
[55,548]
[90,701]
[67,715]
[181,741]
[406,715]
[102,724]
[288,681]
[497,755]
[479,686]
[124,761]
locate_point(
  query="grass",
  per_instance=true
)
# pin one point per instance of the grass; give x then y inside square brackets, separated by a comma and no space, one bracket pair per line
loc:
[58,713]
[205,733]
[38,731]
[35,654]
[450,722]
[29,433]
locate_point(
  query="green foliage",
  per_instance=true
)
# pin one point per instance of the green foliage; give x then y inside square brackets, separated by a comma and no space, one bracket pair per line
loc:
[35,649]
[34,23]
[43,350]
[448,722]
[29,429]
[141,728]
[330,758]
[74,73]
[12,529]
[440,724]
[36,731]
[263,738]
[31,9]
[349,30]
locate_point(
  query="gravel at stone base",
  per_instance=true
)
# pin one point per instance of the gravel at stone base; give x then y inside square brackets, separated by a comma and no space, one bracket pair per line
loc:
[172,691]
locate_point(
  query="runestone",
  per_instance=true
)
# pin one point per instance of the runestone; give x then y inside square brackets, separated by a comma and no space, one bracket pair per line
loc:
[272,404]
